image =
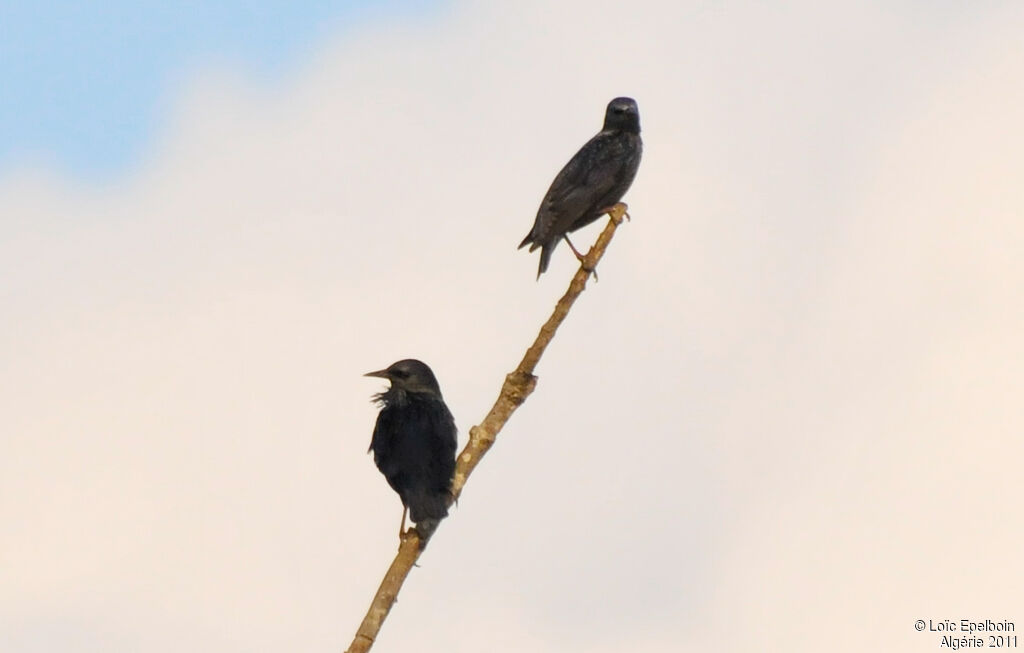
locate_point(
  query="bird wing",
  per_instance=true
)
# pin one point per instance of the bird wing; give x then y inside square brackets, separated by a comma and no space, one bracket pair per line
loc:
[588,176]
[441,464]
[414,446]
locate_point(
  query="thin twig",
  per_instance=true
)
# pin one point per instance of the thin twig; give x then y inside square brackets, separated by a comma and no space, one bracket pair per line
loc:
[517,387]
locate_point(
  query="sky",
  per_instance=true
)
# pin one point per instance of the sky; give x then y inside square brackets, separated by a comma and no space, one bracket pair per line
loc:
[87,88]
[787,414]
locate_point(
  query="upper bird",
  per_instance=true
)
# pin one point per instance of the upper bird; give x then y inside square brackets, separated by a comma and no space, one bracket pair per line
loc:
[414,442]
[591,183]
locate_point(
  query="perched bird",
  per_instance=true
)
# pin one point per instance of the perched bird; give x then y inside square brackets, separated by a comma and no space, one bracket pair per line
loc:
[591,183]
[414,442]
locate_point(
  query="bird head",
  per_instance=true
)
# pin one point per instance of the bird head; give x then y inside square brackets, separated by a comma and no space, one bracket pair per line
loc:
[622,114]
[410,375]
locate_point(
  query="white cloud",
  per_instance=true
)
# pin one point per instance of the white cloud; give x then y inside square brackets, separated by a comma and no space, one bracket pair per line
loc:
[786,414]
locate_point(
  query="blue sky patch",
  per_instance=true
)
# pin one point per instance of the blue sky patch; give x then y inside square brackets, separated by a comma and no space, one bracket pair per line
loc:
[83,85]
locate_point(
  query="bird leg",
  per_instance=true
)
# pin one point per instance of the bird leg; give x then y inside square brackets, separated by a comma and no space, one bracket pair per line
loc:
[579,257]
[401,529]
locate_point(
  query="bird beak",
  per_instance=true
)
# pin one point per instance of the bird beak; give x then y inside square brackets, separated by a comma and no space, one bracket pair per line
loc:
[382,374]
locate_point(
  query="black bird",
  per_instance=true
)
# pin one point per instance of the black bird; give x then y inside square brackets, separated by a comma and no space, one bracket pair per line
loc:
[591,183]
[414,442]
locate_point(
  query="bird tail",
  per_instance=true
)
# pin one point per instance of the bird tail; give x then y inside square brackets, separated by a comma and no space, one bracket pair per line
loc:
[545,258]
[427,510]
[426,506]
[545,252]
[426,528]
[528,241]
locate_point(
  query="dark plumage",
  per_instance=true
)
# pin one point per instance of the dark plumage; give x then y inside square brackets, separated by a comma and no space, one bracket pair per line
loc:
[591,183]
[414,442]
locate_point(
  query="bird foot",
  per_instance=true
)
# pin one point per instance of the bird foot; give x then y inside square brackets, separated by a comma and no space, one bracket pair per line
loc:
[616,213]
[411,533]
[582,258]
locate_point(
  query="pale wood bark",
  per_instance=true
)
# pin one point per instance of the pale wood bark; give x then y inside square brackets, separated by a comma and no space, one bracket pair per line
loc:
[517,387]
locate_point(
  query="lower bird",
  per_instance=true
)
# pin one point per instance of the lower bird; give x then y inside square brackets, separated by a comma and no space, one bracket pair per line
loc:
[414,443]
[593,181]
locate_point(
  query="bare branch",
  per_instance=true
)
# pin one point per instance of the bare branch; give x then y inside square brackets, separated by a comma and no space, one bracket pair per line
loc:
[517,387]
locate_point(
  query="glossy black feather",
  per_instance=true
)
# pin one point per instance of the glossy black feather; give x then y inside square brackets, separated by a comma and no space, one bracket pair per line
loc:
[594,179]
[414,440]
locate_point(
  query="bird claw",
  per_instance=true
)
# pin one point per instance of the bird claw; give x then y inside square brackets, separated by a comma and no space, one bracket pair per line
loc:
[614,212]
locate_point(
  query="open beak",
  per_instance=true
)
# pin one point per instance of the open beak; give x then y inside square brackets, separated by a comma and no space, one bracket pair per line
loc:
[381,374]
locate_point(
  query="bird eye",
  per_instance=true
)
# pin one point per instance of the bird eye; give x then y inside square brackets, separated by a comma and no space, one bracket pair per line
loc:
[399,374]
